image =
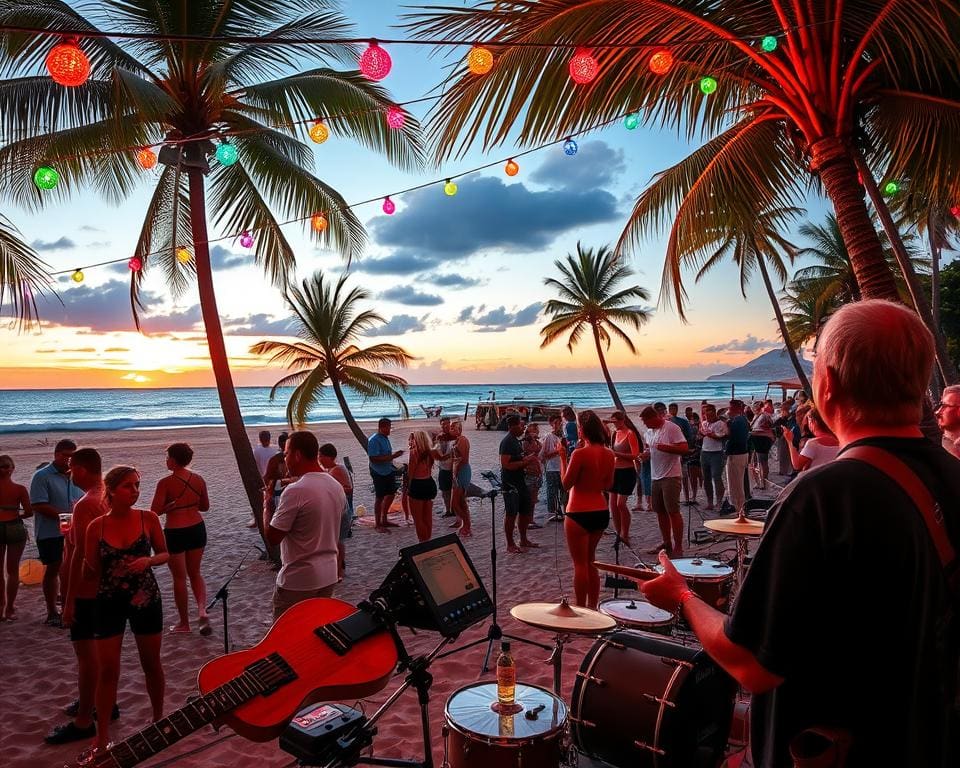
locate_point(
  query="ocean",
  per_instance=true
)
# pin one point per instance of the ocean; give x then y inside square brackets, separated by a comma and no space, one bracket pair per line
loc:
[80,410]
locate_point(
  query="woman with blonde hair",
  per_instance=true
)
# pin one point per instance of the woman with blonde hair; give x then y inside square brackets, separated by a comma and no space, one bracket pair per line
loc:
[423,488]
[462,474]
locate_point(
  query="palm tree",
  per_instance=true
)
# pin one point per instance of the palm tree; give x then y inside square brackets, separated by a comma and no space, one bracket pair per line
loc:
[589,298]
[329,320]
[806,314]
[871,76]
[175,89]
[758,244]
[22,273]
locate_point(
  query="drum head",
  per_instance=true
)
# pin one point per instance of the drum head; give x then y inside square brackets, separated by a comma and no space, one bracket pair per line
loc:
[468,710]
[701,569]
[636,613]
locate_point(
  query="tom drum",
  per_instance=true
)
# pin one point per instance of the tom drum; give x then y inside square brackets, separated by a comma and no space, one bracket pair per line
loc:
[710,579]
[637,614]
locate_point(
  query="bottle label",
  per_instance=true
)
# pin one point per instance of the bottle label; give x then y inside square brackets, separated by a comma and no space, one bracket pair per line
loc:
[507,676]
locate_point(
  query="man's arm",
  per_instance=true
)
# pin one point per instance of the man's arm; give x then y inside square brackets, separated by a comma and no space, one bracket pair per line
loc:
[275,529]
[507,462]
[681,449]
[40,498]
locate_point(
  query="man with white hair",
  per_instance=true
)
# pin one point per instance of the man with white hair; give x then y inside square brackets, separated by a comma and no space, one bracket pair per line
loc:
[948,417]
[812,633]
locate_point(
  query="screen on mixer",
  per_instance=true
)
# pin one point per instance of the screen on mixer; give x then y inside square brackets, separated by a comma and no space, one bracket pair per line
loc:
[445,573]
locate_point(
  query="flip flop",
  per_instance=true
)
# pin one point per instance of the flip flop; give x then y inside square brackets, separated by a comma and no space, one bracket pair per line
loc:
[205,628]
[176,629]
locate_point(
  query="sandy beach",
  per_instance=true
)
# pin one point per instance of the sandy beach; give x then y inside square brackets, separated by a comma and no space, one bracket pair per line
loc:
[37,667]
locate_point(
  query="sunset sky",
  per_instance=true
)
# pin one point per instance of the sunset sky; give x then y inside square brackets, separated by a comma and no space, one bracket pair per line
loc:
[459,279]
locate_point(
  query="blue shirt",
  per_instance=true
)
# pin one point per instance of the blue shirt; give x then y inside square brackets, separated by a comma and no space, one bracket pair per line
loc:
[570,432]
[685,428]
[739,433]
[51,486]
[379,445]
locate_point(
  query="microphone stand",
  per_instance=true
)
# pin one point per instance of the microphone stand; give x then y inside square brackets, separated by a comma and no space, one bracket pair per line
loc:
[223,593]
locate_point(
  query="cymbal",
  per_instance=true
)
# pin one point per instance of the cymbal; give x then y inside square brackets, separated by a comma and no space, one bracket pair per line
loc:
[562,617]
[735,526]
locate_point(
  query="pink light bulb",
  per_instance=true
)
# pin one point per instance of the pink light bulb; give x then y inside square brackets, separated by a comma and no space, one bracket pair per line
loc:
[246,240]
[375,62]
[389,207]
[396,118]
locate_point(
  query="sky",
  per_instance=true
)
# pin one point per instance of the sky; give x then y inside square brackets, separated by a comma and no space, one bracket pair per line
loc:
[458,280]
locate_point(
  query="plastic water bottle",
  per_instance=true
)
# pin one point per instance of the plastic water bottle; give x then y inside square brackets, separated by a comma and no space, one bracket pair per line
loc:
[506,676]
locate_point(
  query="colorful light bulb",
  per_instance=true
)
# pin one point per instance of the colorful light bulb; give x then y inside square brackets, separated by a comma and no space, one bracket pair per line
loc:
[226,153]
[246,240]
[769,43]
[77,276]
[389,207]
[955,210]
[570,147]
[395,118]
[631,121]
[708,85]
[67,64]
[319,222]
[449,188]
[891,188]
[375,62]
[583,67]
[512,168]
[479,60]
[319,133]
[146,158]
[660,62]
[135,264]
[183,255]
[46,178]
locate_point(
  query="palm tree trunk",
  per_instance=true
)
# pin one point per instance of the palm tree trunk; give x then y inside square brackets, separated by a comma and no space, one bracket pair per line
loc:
[801,374]
[933,228]
[347,414]
[832,158]
[606,371]
[246,464]
[948,371]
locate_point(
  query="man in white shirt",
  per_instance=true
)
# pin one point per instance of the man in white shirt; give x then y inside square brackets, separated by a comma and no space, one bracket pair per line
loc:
[306,525]
[263,452]
[550,456]
[665,445]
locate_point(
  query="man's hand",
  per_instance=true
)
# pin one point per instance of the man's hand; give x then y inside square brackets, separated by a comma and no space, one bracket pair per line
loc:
[397,453]
[665,591]
[66,617]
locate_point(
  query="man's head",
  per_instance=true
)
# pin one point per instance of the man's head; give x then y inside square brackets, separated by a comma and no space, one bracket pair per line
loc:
[445,425]
[660,408]
[673,409]
[948,412]
[62,452]
[688,411]
[873,365]
[652,417]
[735,409]
[86,468]
[383,426]
[301,452]
[264,438]
[514,425]
[282,440]
[801,397]
[327,455]
[709,412]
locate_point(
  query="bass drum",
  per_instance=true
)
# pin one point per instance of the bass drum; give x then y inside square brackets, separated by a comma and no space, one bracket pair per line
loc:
[641,700]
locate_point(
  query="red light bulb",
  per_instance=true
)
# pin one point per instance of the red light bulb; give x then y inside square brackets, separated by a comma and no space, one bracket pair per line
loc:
[583,67]
[68,65]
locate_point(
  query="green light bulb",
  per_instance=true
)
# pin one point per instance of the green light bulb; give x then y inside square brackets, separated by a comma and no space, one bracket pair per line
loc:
[631,121]
[769,43]
[226,154]
[46,178]
[708,85]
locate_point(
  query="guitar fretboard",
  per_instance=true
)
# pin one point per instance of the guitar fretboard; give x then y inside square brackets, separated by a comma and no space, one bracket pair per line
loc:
[260,678]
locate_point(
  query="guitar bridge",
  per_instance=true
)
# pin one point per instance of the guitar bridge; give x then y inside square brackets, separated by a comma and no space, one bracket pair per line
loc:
[271,673]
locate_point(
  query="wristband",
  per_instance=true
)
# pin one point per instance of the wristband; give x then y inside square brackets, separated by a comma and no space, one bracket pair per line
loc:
[685,597]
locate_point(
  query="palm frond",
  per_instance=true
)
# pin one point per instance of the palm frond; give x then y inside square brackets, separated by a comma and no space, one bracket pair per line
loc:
[23,275]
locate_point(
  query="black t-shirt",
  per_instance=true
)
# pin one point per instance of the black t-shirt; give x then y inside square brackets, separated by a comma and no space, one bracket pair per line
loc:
[510,446]
[846,599]
[739,434]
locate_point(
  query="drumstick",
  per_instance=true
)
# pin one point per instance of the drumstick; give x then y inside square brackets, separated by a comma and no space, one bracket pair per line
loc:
[634,573]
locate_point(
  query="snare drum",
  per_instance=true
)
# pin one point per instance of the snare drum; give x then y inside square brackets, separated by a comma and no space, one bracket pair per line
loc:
[710,579]
[637,614]
[477,737]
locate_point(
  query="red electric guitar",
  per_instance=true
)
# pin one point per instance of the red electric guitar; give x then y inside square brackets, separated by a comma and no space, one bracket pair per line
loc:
[319,649]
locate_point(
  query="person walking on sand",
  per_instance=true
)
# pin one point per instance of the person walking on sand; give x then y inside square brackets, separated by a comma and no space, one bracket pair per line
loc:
[423,488]
[14,508]
[381,455]
[80,606]
[117,555]
[626,452]
[550,456]
[586,476]
[51,495]
[516,500]
[462,475]
[328,460]
[714,431]
[182,496]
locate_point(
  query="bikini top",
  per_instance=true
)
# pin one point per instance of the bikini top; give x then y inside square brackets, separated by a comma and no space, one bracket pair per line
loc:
[115,578]
[186,486]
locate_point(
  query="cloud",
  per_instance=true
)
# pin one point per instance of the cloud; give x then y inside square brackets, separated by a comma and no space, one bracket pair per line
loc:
[407,294]
[258,325]
[89,228]
[748,344]
[398,325]
[222,258]
[116,349]
[486,214]
[399,263]
[452,281]
[499,320]
[596,165]
[173,322]
[53,245]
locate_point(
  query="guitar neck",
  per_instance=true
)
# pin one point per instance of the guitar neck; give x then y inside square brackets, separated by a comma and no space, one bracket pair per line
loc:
[260,678]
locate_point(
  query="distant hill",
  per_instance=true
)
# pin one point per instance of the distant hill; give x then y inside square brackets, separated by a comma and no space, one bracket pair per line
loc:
[770,366]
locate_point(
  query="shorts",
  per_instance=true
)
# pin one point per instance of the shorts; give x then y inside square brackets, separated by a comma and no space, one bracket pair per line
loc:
[50,551]
[184,539]
[516,501]
[591,521]
[533,482]
[464,476]
[287,598]
[384,485]
[624,481]
[665,498]
[422,489]
[113,613]
[445,480]
[13,532]
[761,445]
[84,625]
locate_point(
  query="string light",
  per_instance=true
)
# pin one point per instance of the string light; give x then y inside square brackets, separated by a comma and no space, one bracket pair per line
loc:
[769,43]
[955,210]
[227,153]
[479,60]
[319,133]
[631,121]
[512,168]
[246,240]
[891,188]
[146,158]
[660,62]
[375,62]
[319,222]
[67,64]
[395,118]
[135,264]
[708,85]
[583,67]
[449,188]
[183,255]
[77,276]
[389,207]
[570,147]
[46,178]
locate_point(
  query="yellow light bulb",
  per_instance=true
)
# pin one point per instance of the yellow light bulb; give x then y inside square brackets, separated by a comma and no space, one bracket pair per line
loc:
[183,255]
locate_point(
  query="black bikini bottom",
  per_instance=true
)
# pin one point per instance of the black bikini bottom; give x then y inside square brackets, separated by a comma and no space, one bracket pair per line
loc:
[591,521]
